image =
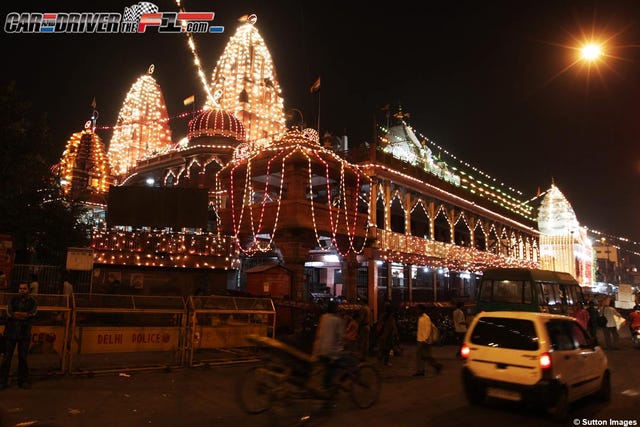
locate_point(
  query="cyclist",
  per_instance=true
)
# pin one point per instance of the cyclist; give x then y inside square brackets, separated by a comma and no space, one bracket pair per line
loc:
[328,345]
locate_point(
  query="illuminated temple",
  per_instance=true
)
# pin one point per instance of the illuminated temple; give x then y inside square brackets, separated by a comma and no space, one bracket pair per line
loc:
[387,220]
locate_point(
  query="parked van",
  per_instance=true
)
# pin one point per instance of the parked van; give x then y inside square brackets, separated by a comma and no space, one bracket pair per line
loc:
[524,289]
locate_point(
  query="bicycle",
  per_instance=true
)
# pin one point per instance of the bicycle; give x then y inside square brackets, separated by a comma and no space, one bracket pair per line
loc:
[286,373]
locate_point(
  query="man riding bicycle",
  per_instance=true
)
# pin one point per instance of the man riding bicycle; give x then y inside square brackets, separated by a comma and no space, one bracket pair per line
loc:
[328,346]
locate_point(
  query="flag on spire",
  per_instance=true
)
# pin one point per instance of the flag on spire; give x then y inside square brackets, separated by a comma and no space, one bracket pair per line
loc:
[93,103]
[315,86]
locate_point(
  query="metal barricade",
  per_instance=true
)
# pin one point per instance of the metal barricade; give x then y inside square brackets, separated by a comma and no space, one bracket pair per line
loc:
[49,333]
[218,326]
[126,333]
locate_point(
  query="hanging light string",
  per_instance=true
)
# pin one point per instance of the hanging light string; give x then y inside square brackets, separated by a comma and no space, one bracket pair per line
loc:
[196,59]
[477,186]
[150,121]
[621,241]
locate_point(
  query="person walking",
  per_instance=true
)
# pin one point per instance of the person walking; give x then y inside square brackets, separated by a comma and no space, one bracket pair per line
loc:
[634,317]
[423,348]
[388,335]
[17,332]
[583,316]
[364,328]
[459,325]
[593,320]
[611,330]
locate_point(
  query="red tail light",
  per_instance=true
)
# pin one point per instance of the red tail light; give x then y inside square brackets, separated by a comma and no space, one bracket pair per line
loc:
[464,351]
[545,361]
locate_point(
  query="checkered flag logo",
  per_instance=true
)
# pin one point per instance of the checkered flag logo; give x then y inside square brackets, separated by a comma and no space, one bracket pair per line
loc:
[135,12]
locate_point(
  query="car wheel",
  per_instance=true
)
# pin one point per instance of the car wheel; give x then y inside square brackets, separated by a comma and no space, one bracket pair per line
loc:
[559,409]
[604,393]
[474,392]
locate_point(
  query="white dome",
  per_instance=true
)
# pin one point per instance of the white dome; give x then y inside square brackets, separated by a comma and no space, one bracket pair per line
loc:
[556,216]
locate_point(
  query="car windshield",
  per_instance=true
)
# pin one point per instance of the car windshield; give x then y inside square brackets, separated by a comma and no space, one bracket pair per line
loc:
[517,334]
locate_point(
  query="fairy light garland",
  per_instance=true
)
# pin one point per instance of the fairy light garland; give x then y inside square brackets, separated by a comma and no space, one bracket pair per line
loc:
[447,194]
[468,182]
[141,127]
[196,59]
[246,81]
[435,254]
[96,162]
[152,248]
[242,201]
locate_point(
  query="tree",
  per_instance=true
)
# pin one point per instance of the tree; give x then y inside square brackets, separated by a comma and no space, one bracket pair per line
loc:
[43,225]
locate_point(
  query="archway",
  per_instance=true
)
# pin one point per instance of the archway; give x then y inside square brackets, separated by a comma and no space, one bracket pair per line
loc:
[420,222]
[461,232]
[397,216]
[441,227]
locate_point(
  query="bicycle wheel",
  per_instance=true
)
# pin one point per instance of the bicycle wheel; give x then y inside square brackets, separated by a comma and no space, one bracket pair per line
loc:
[365,389]
[255,390]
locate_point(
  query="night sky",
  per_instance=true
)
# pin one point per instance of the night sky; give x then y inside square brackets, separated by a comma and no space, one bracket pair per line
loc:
[491,82]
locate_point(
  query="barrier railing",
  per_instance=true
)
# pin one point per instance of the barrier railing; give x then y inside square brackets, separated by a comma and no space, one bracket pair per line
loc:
[49,333]
[218,327]
[126,332]
[91,333]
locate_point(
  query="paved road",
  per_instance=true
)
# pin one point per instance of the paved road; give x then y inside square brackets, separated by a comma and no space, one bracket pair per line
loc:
[204,397]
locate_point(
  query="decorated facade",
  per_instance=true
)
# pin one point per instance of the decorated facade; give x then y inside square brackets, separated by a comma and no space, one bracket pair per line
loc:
[564,244]
[84,169]
[142,127]
[399,219]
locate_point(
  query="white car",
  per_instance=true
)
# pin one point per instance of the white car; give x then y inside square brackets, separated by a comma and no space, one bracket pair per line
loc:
[538,358]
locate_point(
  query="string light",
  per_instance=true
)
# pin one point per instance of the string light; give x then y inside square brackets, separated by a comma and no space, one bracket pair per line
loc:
[410,152]
[250,167]
[84,164]
[141,127]
[162,249]
[245,82]
[191,43]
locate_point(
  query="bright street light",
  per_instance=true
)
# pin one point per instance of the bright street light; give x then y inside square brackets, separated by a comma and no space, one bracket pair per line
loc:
[591,51]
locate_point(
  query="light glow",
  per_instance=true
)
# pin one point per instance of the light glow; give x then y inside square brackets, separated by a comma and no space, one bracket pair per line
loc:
[142,126]
[591,52]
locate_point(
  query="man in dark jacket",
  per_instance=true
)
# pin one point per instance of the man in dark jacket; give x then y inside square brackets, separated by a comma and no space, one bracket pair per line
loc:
[17,332]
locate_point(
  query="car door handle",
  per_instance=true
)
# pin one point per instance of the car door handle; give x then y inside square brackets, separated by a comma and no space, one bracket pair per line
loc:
[567,357]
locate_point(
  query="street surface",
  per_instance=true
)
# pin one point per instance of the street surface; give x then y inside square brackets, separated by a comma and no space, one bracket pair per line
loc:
[205,397]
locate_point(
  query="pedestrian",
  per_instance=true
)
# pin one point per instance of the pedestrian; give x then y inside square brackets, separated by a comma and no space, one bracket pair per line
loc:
[17,332]
[328,344]
[424,344]
[583,316]
[388,335]
[34,286]
[611,329]
[593,320]
[459,325]
[364,328]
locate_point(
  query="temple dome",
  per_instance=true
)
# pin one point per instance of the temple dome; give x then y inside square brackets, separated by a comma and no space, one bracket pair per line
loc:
[216,123]
[556,216]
